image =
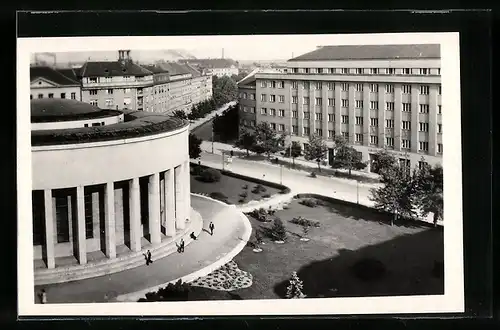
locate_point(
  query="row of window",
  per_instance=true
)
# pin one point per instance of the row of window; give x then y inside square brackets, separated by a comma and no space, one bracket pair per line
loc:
[374,88]
[51,96]
[359,104]
[358,137]
[387,71]
[95,80]
[244,95]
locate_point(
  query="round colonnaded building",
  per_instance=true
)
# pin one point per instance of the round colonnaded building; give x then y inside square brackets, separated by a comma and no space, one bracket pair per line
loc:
[107,185]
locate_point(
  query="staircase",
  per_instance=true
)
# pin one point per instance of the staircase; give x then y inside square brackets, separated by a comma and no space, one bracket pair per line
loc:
[121,262]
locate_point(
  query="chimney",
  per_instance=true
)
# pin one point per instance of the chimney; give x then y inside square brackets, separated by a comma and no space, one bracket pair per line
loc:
[124,56]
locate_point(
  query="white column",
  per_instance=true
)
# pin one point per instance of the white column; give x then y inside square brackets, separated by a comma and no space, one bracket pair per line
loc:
[180,219]
[49,229]
[154,208]
[187,190]
[82,241]
[135,215]
[109,220]
[169,203]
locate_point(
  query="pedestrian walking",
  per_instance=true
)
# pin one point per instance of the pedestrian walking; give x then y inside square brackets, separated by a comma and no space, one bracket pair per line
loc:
[43,296]
[148,258]
[182,244]
[211,226]
[193,236]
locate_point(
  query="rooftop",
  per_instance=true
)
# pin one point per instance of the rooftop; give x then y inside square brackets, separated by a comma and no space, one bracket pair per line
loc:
[371,52]
[173,68]
[59,76]
[52,110]
[136,124]
[113,69]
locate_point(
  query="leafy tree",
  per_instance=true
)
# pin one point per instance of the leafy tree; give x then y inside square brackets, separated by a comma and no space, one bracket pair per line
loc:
[224,90]
[194,146]
[267,140]
[278,230]
[430,191]
[294,150]
[316,150]
[179,114]
[246,140]
[398,193]
[294,289]
[383,160]
[226,125]
[348,158]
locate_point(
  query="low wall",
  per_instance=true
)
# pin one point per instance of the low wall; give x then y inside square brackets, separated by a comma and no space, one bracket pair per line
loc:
[283,188]
[367,209]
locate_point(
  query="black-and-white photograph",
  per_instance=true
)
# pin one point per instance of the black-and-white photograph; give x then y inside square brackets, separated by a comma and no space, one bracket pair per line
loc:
[268,179]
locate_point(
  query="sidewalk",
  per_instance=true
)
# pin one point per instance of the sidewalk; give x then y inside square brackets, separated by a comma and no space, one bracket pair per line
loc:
[200,254]
[200,121]
[219,147]
[300,181]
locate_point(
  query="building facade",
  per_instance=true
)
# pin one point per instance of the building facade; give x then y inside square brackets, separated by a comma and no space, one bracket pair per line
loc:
[215,66]
[381,96]
[47,82]
[90,218]
[120,84]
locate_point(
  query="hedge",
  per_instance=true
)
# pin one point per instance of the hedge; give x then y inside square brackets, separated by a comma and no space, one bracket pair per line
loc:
[77,116]
[278,186]
[122,130]
[362,207]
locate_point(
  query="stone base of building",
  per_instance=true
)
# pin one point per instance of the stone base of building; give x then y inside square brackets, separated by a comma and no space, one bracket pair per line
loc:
[125,260]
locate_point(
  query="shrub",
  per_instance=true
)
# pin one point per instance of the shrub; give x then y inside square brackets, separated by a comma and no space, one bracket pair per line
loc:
[241,200]
[305,222]
[258,237]
[251,245]
[219,196]
[172,292]
[210,175]
[313,174]
[259,189]
[278,230]
[294,288]
[244,194]
[310,202]
[369,269]
[245,186]
[260,215]
[266,195]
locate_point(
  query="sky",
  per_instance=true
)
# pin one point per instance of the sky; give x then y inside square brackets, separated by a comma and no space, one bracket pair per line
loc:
[240,48]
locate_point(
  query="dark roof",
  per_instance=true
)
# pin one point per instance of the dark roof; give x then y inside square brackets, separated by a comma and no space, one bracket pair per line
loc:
[370,52]
[213,62]
[154,68]
[60,107]
[51,74]
[73,73]
[173,68]
[192,69]
[113,69]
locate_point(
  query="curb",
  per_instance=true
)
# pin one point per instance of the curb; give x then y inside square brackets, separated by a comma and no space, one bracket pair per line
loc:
[134,296]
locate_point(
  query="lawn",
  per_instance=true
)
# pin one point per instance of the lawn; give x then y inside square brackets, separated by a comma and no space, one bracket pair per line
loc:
[408,250]
[232,188]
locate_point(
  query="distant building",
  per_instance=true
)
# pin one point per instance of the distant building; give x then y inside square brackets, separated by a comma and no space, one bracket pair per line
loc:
[216,67]
[118,84]
[47,82]
[375,96]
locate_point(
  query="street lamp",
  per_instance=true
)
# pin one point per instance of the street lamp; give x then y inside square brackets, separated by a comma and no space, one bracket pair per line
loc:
[281,173]
[357,191]
[212,136]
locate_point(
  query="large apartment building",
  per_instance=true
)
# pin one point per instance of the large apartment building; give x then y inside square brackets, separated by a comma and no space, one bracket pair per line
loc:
[215,66]
[118,84]
[376,96]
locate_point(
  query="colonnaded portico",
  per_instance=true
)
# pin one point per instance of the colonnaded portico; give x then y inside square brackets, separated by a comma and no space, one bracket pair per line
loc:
[84,219]
[103,195]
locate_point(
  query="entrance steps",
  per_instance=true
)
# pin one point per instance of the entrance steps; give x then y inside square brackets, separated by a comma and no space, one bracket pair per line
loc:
[122,261]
